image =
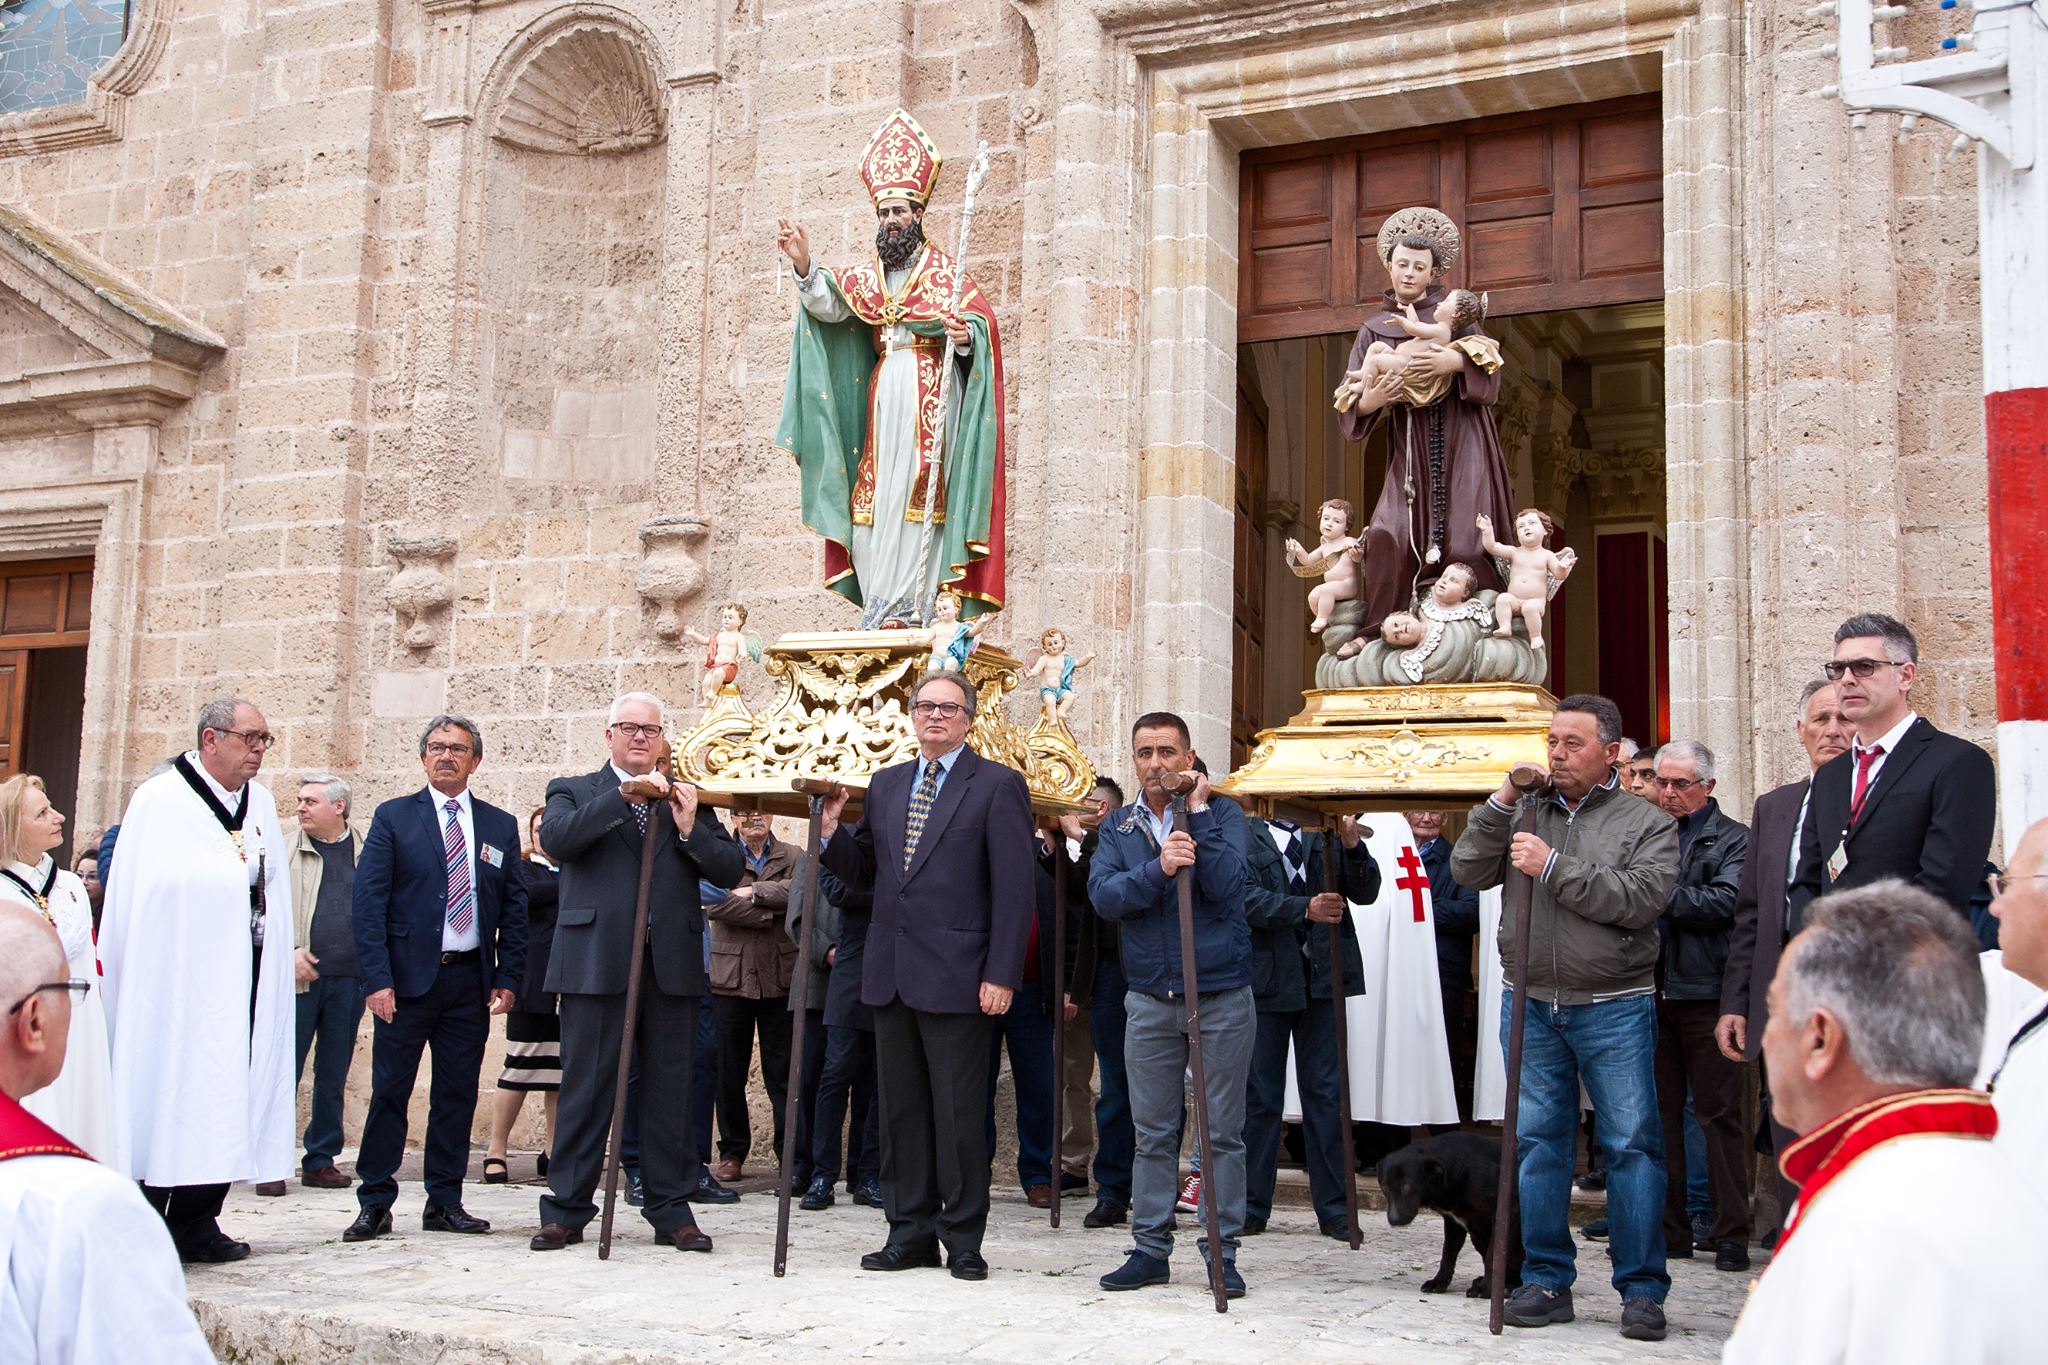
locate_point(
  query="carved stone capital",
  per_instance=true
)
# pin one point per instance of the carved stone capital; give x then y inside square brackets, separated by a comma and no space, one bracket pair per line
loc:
[670,574]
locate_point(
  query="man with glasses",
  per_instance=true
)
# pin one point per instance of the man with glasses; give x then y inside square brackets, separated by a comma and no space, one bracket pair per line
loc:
[945,847]
[440,936]
[1694,929]
[196,949]
[595,828]
[86,1270]
[1907,800]
[2020,1085]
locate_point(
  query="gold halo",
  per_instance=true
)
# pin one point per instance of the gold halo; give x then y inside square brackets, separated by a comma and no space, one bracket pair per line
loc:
[1428,223]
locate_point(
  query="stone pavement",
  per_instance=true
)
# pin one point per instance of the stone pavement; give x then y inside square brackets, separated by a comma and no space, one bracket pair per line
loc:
[305,1298]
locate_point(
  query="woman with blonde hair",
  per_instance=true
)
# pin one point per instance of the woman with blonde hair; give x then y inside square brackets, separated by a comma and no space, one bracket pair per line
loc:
[80,1102]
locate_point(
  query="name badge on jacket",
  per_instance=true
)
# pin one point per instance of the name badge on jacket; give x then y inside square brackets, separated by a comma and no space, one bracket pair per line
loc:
[490,855]
[1838,863]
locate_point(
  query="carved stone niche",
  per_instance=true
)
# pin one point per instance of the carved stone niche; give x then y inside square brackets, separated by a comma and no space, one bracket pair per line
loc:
[590,90]
[670,575]
[420,591]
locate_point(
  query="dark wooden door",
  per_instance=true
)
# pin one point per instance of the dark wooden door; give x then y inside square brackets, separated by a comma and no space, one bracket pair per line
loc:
[1248,591]
[1563,208]
[13,708]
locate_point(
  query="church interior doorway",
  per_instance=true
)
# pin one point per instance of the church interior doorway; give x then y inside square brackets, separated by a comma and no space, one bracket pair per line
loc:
[1561,218]
[45,611]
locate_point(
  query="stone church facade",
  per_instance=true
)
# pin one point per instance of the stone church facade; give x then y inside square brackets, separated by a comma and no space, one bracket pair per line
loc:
[380,357]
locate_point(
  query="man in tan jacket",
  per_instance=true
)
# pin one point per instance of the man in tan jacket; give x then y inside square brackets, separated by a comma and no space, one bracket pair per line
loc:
[330,1000]
[752,963]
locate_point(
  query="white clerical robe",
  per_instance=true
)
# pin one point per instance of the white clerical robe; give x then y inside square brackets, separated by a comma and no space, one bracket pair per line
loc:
[2021,1098]
[200,1096]
[1489,1064]
[884,553]
[2010,1000]
[80,1102]
[1926,1251]
[90,1274]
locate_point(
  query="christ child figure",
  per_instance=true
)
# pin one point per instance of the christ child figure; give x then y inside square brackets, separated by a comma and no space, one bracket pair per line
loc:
[1403,630]
[722,649]
[1534,571]
[1336,558]
[1459,309]
[1054,673]
[948,637]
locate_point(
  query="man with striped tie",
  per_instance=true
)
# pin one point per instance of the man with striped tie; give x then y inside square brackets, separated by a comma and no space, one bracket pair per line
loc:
[440,925]
[946,845]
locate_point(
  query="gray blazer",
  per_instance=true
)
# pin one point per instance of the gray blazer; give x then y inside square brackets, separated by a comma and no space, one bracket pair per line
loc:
[590,830]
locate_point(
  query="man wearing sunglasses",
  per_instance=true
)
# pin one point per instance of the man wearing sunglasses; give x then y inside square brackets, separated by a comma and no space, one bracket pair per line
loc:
[87,1272]
[198,930]
[1907,800]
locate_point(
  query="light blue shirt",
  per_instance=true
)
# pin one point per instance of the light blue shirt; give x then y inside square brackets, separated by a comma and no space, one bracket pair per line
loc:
[945,762]
[1161,825]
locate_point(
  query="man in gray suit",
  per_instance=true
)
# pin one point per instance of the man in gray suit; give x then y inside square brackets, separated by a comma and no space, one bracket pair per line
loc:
[595,830]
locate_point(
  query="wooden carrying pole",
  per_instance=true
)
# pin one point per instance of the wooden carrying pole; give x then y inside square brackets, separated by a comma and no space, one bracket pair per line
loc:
[1532,783]
[1192,1016]
[799,1005]
[649,837]
[1341,1023]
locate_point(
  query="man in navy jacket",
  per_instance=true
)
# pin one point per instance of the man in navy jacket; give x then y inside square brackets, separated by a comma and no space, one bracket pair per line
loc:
[440,924]
[1132,882]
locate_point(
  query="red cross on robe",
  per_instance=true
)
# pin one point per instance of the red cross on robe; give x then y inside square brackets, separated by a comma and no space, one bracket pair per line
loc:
[1414,882]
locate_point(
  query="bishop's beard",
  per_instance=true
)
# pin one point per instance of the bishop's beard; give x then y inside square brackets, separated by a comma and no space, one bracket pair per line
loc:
[898,247]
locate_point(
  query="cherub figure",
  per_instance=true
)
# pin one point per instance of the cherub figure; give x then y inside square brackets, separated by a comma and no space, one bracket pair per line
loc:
[949,638]
[724,649]
[1454,586]
[1336,558]
[1403,629]
[1458,310]
[1054,673]
[1534,571]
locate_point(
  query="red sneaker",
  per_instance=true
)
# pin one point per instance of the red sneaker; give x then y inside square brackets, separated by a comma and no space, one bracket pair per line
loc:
[1190,1194]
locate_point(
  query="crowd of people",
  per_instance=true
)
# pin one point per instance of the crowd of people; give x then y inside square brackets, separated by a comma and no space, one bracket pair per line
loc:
[1841,934]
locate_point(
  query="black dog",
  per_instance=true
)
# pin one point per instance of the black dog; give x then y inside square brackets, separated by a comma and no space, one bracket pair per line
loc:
[1458,1176]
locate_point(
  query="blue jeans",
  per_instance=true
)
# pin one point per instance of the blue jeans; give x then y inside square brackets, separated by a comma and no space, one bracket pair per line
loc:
[1314,1033]
[1115,1142]
[1699,1195]
[1611,1047]
[329,1010]
[1026,1030]
[1156,1055]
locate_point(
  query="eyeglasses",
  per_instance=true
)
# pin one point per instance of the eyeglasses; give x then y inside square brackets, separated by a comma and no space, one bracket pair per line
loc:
[944,710]
[255,739]
[74,986]
[1678,784]
[437,748]
[630,730]
[2000,882]
[1861,668]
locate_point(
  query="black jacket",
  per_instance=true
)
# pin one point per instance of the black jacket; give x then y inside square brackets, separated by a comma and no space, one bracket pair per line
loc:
[843,1007]
[1456,910]
[1700,915]
[1283,978]
[543,892]
[1079,977]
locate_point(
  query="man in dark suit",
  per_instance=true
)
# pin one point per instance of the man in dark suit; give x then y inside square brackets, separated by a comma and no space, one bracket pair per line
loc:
[1455,911]
[1759,933]
[1288,903]
[1907,801]
[944,846]
[440,929]
[596,828]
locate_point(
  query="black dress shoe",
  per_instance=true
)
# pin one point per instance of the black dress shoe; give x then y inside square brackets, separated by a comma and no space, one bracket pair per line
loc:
[869,1193]
[555,1236]
[219,1249]
[688,1237]
[1731,1255]
[369,1223]
[967,1265]
[451,1218]
[1336,1229]
[1070,1181]
[1253,1225]
[636,1197]
[893,1257]
[818,1196]
[1107,1213]
[709,1191]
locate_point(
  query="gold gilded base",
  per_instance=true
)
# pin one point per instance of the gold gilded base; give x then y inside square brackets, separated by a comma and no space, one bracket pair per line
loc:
[844,712]
[1395,748]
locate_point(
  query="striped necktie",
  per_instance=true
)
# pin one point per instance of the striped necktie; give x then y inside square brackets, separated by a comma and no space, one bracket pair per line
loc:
[920,807]
[461,895]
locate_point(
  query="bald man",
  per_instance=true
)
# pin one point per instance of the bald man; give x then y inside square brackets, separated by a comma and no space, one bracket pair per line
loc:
[91,1277]
[2020,1087]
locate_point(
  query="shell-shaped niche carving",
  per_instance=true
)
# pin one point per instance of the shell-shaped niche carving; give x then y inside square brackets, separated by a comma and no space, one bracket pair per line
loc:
[590,90]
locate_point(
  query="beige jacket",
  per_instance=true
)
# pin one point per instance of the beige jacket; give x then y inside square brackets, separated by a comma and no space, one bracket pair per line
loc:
[751,952]
[307,868]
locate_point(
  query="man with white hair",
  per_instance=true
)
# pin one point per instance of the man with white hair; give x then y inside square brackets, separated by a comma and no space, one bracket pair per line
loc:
[595,829]
[2020,1085]
[90,1275]
[1897,1251]
[330,1004]
[196,947]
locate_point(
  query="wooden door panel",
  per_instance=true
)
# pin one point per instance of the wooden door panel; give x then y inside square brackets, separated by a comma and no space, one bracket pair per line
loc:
[1508,165]
[1627,239]
[1514,252]
[1626,149]
[1392,178]
[13,708]
[31,604]
[1292,276]
[1291,192]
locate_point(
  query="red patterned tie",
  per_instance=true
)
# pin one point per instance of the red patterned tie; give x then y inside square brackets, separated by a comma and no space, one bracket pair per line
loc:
[1865,760]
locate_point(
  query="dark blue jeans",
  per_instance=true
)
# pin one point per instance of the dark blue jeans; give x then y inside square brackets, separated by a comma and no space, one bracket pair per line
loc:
[846,1083]
[1611,1047]
[1027,1031]
[1116,1141]
[330,1009]
[1314,1034]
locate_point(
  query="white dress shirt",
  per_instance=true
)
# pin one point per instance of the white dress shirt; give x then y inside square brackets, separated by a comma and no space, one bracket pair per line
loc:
[465,817]
[1890,740]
